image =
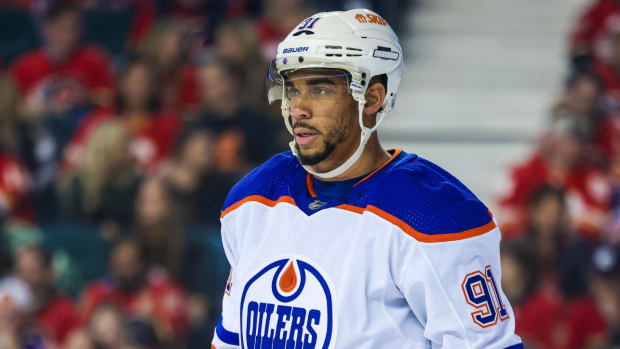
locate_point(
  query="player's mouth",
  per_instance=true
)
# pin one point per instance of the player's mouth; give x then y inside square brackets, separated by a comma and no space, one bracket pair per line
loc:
[304,135]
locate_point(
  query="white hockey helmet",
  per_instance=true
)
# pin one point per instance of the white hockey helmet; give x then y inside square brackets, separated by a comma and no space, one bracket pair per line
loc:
[359,42]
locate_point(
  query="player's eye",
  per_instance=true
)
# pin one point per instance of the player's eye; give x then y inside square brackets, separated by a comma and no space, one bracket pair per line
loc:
[292,91]
[321,91]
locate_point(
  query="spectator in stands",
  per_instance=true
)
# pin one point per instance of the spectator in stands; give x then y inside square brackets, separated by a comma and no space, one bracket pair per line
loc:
[63,72]
[279,18]
[15,301]
[607,141]
[58,83]
[558,161]
[103,187]
[9,325]
[145,295]
[520,279]
[611,228]
[581,100]
[9,102]
[108,328]
[548,228]
[158,225]
[54,313]
[544,318]
[607,71]
[237,43]
[589,40]
[79,339]
[235,123]
[605,287]
[15,189]
[197,189]
[178,85]
[15,180]
[152,133]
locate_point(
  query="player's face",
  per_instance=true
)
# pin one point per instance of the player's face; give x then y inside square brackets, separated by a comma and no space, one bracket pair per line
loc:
[323,117]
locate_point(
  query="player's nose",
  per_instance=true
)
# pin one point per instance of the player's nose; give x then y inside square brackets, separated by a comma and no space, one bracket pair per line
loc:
[300,108]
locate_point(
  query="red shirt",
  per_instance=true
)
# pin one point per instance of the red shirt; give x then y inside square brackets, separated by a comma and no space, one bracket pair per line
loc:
[15,184]
[88,65]
[180,91]
[270,37]
[608,137]
[594,27]
[544,320]
[166,300]
[150,144]
[587,192]
[611,85]
[57,318]
[142,23]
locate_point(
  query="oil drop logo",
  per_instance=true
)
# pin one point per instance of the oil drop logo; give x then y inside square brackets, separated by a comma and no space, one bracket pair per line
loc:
[287,304]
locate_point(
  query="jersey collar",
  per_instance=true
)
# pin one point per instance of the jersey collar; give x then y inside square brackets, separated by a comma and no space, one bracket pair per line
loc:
[393,152]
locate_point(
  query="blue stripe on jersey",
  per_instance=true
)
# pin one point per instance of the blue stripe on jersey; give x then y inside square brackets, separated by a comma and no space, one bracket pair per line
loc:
[226,336]
[270,180]
[516,346]
[421,194]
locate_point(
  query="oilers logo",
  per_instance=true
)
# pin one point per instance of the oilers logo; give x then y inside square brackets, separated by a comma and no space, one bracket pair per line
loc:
[287,304]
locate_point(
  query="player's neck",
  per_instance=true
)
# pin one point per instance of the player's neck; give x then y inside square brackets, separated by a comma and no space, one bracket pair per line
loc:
[372,158]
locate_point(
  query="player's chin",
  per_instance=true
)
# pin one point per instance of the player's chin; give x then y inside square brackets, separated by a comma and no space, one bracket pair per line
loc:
[308,151]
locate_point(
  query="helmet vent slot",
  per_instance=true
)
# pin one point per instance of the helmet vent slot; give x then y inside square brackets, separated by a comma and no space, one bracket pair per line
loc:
[332,47]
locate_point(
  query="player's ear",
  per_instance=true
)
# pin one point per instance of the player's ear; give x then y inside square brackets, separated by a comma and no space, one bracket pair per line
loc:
[375,95]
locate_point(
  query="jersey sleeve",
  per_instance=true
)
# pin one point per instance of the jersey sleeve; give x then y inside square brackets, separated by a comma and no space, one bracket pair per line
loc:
[453,287]
[226,334]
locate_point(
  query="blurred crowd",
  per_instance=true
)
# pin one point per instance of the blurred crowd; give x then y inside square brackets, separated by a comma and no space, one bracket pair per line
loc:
[123,124]
[559,210]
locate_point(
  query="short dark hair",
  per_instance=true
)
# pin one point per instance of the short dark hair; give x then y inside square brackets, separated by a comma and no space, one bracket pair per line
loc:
[545,191]
[527,260]
[59,8]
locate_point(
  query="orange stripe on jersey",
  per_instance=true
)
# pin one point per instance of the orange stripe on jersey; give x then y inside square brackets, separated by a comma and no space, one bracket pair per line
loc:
[350,208]
[213,346]
[416,234]
[397,151]
[257,198]
[310,184]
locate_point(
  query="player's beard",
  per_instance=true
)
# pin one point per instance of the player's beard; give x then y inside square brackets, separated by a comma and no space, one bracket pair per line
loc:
[335,135]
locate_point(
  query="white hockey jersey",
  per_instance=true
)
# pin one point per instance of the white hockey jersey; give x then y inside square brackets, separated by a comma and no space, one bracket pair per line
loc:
[408,258]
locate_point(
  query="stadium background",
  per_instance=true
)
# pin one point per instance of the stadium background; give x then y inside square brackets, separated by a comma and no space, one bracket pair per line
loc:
[124,123]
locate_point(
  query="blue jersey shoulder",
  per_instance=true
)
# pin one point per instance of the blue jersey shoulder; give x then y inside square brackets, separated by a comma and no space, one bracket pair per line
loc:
[269,180]
[427,198]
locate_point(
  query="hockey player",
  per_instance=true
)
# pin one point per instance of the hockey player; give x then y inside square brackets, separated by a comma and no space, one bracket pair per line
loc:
[341,244]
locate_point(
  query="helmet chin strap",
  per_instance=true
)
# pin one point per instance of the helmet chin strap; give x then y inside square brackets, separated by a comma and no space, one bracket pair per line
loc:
[365,135]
